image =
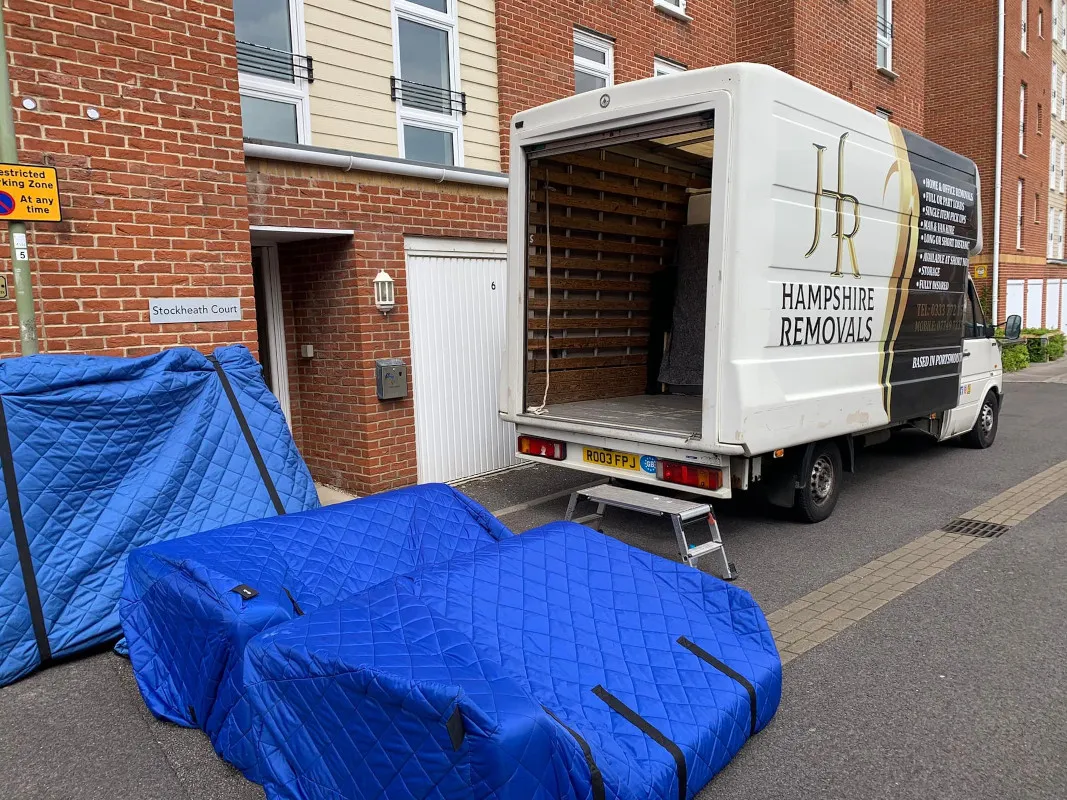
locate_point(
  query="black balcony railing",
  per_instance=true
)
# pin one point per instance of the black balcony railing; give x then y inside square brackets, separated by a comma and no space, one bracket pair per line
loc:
[884,28]
[267,62]
[427,98]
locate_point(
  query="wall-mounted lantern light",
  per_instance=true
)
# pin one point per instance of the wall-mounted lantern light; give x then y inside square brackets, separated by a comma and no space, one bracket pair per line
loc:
[384,294]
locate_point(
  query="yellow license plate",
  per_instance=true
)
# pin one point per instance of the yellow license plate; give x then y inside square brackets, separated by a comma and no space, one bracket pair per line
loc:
[611,458]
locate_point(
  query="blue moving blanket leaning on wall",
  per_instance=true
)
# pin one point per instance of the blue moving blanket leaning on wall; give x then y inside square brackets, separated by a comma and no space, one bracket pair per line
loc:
[102,455]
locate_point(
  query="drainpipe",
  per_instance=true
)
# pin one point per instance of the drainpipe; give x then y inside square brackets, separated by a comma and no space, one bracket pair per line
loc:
[998,185]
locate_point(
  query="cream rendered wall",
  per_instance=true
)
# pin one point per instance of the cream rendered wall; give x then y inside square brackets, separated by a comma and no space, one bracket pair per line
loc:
[1057,200]
[351,42]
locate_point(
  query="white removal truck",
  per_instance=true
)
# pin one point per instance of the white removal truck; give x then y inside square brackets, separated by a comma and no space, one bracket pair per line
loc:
[727,277]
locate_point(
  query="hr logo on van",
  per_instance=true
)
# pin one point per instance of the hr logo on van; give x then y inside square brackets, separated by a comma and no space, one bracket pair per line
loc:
[840,198]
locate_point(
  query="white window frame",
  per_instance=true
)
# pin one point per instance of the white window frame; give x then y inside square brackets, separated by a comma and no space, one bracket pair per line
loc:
[882,39]
[1063,165]
[1041,23]
[1063,95]
[1063,24]
[1022,119]
[1055,112]
[1050,249]
[1060,234]
[1019,192]
[1053,163]
[452,123]
[1024,8]
[674,8]
[1055,22]
[661,66]
[295,93]
[606,46]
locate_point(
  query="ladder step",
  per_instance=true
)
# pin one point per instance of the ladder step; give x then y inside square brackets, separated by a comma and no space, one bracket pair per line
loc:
[698,550]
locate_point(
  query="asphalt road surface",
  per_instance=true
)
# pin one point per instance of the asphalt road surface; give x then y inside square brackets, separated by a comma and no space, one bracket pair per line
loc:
[957,689]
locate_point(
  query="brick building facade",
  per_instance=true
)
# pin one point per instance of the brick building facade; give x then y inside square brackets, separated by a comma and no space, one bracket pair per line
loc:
[293,185]
[153,192]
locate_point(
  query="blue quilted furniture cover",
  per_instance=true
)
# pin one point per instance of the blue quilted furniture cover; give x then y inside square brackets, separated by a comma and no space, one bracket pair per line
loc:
[102,455]
[190,605]
[556,664]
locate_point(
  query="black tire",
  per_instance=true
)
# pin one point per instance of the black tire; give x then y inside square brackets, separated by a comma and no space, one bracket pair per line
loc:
[820,483]
[984,432]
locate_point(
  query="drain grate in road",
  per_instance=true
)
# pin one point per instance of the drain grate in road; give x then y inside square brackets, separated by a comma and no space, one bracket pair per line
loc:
[976,528]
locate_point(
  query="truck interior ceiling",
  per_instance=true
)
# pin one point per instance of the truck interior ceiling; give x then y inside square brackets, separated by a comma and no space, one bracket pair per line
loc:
[616,276]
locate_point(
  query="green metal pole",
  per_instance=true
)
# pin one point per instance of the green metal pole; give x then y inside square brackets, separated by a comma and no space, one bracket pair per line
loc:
[20,262]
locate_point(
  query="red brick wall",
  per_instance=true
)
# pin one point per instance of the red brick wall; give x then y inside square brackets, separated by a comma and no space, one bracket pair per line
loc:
[835,50]
[961,88]
[766,32]
[348,437]
[153,192]
[535,45]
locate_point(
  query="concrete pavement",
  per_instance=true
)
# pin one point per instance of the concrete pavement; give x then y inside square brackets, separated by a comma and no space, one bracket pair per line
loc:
[865,714]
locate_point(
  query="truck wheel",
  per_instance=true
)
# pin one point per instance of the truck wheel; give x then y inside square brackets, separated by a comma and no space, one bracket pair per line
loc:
[820,479]
[984,431]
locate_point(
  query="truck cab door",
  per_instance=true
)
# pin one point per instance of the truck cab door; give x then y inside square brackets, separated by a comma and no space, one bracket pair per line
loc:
[981,362]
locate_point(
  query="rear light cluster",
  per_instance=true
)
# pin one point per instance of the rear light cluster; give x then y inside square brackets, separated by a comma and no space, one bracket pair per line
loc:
[543,448]
[689,475]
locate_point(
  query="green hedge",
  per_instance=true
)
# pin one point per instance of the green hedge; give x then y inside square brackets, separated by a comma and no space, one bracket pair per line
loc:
[1037,346]
[1016,357]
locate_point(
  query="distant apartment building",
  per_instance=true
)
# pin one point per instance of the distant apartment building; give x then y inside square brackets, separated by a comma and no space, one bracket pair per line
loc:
[339,166]
[1017,138]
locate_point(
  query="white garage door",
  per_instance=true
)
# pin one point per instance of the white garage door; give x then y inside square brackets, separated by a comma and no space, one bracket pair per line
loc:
[1052,304]
[1014,302]
[1035,293]
[456,299]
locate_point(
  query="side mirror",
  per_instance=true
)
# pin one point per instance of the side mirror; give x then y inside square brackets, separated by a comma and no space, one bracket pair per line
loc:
[1013,327]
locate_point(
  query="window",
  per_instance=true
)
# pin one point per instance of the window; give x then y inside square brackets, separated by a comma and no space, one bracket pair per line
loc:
[1041,23]
[1024,8]
[1037,205]
[273,71]
[1055,90]
[1050,250]
[1063,165]
[1019,214]
[425,86]
[1039,114]
[594,62]
[676,8]
[1063,96]
[1059,234]
[1052,164]
[884,35]
[1022,119]
[1055,21]
[661,66]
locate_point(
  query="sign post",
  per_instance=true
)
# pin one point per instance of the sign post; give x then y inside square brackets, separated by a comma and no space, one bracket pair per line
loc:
[20,262]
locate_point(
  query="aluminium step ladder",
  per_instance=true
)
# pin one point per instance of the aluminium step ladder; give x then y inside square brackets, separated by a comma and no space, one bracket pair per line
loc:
[682,513]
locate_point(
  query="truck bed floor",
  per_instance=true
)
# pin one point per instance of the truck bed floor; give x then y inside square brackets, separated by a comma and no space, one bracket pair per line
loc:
[665,413]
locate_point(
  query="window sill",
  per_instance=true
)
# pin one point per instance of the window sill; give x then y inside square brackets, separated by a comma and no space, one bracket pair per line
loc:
[671,11]
[888,73]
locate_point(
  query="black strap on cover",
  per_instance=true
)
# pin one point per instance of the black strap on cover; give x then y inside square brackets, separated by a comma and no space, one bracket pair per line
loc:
[296,606]
[639,722]
[256,455]
[596,780]
[22,542]
[726,669]
[455,729]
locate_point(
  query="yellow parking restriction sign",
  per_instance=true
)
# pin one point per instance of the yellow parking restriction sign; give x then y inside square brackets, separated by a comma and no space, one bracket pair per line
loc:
[29,194]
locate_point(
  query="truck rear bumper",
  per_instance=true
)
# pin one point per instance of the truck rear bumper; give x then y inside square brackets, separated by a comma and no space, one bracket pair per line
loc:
[627,460]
